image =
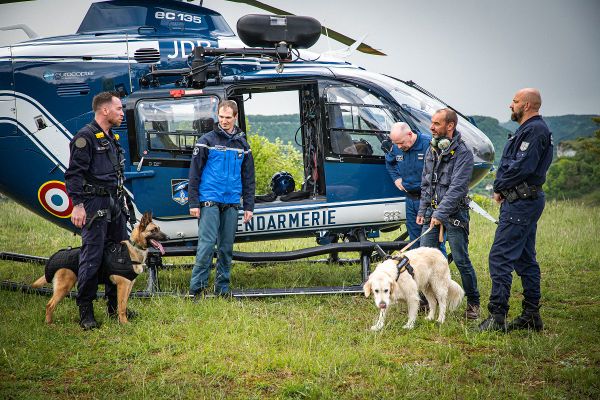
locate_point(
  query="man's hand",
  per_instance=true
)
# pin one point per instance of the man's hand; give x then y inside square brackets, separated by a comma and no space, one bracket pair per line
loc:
[398,183]
[498,198]
[247,216]
[434,222]
[78,216]
[420,220]
[195,212]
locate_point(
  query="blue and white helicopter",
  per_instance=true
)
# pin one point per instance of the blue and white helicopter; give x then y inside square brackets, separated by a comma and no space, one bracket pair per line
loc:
[172,62]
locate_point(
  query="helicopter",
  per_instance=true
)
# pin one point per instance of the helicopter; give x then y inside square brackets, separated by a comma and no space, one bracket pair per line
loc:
[171,63]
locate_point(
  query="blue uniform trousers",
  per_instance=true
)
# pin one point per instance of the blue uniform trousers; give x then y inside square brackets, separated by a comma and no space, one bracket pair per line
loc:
[514,250]
[93,240]
[414,229]
[458,238]
[215,227]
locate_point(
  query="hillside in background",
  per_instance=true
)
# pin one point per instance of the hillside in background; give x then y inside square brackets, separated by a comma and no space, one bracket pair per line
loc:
[563,127]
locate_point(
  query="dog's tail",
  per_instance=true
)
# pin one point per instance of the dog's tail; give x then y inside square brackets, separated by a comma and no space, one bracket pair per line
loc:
[41,281]
[455,295]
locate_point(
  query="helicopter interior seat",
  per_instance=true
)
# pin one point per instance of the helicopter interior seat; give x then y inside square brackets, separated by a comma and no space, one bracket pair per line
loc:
[203,125]
[341,141]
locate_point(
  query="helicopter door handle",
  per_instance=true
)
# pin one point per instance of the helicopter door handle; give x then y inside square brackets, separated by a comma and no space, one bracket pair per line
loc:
[139,166]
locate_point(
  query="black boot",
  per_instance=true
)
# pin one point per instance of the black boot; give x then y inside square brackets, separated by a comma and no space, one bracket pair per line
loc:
[495,322]
[86,317]
[113,310]
[529,319]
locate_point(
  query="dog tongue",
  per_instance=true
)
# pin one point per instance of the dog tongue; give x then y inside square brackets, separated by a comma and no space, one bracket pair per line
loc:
[157,246]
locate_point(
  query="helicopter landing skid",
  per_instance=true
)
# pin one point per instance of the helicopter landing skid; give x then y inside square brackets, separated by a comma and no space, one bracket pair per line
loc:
[154,262]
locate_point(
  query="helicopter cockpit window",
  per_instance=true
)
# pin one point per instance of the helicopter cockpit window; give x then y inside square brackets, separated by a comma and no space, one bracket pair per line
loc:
[169,128]
[357,121]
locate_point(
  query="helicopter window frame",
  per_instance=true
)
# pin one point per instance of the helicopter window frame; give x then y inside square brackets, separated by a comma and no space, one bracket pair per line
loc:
[163,137]
[352,136]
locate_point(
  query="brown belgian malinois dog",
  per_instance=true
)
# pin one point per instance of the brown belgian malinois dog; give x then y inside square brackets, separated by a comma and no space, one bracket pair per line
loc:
[144,234]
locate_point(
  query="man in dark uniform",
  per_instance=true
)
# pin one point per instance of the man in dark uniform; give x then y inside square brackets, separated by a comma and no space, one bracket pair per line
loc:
[518,188]
[444,187]
[94,183]
[404,163]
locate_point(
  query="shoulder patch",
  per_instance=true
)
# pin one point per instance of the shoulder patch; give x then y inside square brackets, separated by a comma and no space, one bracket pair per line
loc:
[524,146]
[100,135]
[80,143]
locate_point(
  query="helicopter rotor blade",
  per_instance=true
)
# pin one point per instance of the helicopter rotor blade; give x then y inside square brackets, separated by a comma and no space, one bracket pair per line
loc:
[363,47]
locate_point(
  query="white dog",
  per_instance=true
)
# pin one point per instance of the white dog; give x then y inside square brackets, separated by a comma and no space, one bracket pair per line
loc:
[431,276]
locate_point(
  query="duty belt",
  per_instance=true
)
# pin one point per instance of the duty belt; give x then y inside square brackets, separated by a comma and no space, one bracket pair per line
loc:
[97,190]
[414,195]
[522,191]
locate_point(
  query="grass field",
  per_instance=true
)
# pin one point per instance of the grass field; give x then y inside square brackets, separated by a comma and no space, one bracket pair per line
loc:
[304,347]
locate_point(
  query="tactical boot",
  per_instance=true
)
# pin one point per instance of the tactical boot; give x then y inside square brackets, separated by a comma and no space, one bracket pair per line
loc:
[472,311]
[113,311]
[86,317]
[495,322]
[529,319]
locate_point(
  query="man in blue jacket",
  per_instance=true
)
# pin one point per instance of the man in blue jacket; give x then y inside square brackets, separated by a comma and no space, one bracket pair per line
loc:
[404,163]
[444,188]
[518,188]
[221,172]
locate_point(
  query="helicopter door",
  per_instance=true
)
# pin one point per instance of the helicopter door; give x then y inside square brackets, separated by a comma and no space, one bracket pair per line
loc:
[356,123]
[166,131]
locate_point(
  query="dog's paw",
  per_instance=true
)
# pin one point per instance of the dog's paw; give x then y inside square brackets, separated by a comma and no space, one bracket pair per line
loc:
[429,317]
[409,325]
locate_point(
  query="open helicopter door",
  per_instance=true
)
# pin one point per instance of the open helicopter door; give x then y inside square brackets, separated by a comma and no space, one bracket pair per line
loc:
[162,133]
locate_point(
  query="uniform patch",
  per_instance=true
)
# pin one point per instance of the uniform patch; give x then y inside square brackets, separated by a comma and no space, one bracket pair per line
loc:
[117,136]
[196,151]
[400,157]
[524,146]
[100,135]
[80,143]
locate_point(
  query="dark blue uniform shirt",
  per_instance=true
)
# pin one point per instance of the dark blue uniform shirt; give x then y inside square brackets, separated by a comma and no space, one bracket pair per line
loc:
[408,165]
[526,157]
[90,161]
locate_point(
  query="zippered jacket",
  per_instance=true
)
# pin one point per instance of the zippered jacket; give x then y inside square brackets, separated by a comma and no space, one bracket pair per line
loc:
[445,179]
[222,170]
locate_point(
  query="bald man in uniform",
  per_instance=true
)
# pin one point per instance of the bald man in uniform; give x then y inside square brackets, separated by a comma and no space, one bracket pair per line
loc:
[518,188]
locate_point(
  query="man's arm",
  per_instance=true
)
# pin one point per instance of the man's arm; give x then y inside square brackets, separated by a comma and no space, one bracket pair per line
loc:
[248,184]
[199,157]
[79,164]
[426,183]
[526,161]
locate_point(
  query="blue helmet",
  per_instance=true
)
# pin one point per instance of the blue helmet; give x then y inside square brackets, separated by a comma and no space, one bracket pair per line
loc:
[282,183]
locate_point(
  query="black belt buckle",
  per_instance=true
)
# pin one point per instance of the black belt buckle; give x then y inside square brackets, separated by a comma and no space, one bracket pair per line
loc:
[207,204]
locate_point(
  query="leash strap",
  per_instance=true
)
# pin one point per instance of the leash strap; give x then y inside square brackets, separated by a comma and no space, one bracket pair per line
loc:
[395,254]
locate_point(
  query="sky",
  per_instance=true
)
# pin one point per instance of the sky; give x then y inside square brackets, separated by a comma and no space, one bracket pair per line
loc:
[473,54]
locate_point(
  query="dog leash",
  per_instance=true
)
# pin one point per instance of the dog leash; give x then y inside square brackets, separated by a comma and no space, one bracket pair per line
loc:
[395,254]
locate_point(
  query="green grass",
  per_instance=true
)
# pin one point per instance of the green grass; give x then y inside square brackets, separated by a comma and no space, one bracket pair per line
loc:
[304,347]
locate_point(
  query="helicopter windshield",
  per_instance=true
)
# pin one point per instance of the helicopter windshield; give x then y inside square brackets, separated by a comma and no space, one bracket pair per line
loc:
[122,15]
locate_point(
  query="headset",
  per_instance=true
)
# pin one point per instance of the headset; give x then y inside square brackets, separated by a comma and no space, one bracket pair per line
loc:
[441,143]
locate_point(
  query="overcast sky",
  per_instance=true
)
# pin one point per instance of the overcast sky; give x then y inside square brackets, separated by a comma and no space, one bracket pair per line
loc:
[474,54]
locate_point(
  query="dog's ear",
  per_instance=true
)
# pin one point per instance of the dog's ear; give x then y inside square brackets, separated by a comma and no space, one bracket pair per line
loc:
[367,288]
[145,220]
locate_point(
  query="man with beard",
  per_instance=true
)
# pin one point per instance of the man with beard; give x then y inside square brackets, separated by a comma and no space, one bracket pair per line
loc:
[444,204]
[518,188]
[94,182]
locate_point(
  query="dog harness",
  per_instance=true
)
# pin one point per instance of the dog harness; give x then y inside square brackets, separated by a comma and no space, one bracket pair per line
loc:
[404,265]
[116,261]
